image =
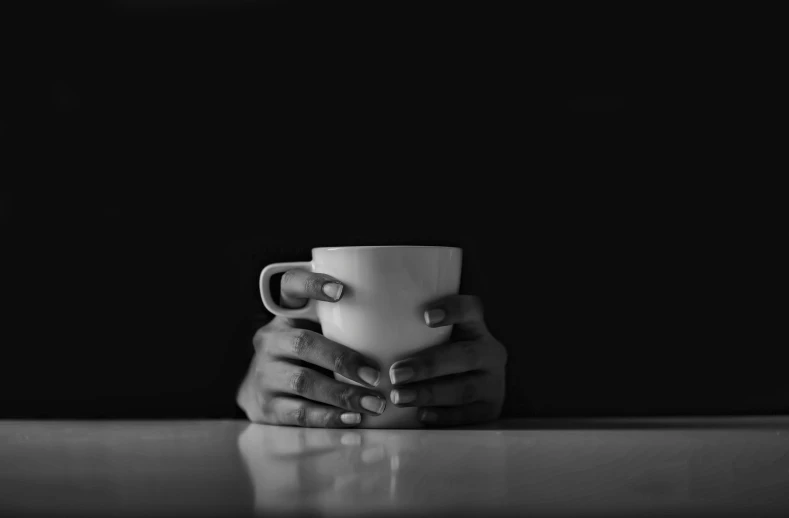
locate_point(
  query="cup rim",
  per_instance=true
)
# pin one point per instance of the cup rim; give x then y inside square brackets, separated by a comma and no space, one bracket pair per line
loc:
[375,247]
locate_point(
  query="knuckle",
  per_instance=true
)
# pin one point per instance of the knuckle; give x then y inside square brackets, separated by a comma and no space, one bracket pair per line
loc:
[259,379]
[264,414]
[250,401]
[300,382]
[340,361]
[264,404]
[259,399]
[254,416]
[259,364]
[279,323]
[288,277]
[259,341]
[313,284]
[303,342]
[252,412]
[263,384]
[299,415]
[344,397]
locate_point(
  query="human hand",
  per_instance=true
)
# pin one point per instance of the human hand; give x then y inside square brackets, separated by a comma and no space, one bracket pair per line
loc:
[290,380]
[459,382]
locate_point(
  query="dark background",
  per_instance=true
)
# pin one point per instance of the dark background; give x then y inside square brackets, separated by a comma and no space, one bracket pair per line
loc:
[169,150]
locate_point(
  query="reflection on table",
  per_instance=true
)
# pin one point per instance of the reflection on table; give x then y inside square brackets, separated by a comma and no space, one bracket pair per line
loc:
[696,469]
[710,467]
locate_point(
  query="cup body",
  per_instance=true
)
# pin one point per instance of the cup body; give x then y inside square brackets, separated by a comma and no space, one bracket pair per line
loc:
[381,312]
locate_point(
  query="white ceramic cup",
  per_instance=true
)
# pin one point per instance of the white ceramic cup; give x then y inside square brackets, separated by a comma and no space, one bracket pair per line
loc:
[381,312]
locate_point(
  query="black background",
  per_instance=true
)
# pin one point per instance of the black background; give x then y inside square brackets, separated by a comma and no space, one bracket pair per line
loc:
[611,224]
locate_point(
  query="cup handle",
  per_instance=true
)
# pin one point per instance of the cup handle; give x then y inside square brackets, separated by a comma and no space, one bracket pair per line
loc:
[309,311]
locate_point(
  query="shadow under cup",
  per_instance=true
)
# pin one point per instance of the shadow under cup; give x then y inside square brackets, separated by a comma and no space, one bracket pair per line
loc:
[381,312]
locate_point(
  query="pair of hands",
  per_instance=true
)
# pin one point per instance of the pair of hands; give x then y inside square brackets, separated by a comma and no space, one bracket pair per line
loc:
[290,380]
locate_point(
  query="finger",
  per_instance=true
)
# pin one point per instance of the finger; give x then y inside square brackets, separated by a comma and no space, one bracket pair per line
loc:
[447,391]
[297,286]
[442,360]
[463,311]
[312,347]
[296,443]
[458,415]
[288,378]
[300,412]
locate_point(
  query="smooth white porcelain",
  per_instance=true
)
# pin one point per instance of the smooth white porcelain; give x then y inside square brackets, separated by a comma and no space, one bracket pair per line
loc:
[381,312]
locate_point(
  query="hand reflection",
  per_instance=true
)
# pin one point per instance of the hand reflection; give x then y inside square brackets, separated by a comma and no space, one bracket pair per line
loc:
[298,468]
[336,471]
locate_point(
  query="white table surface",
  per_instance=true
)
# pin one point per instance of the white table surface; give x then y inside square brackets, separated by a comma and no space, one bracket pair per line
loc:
[602,467]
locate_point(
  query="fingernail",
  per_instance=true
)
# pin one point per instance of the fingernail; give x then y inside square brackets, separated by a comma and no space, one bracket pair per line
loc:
[369,375]
[428,416]
[400,374]
[373,454]
[351,418]
[402,396]
[333,290]
[351,438]
[374,404]
[434,316]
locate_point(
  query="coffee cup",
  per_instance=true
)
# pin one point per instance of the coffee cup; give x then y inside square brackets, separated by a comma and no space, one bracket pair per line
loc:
[381,311]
